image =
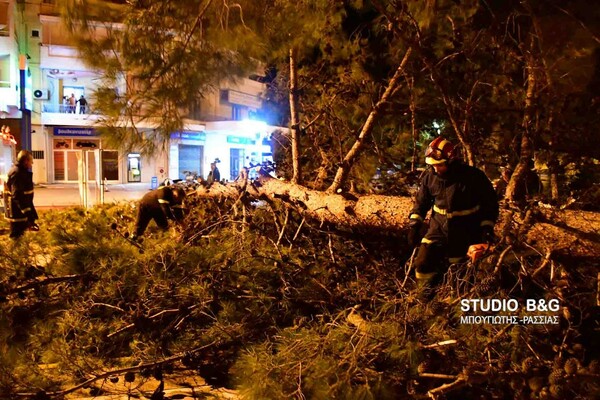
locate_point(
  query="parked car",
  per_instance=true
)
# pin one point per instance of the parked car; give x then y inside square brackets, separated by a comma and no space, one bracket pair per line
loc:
[91,145]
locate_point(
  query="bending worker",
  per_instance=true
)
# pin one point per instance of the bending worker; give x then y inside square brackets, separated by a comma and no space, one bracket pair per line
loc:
[465,210]
[160,205]
[18,196]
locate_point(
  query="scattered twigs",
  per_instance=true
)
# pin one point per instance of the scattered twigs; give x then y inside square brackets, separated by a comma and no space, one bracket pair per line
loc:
[120,371]
[44,282]
[410,265]
[501,259]
[297,232]
[497,336]
[439,344]
[282,230]
[447,387]
[437,376]
[545,262]
[155,316]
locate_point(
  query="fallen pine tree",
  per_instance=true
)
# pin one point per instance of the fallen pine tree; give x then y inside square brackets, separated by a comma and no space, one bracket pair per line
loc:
[280,300]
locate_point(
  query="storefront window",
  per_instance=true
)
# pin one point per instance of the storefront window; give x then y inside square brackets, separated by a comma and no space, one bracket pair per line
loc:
[190,160]
[110,165]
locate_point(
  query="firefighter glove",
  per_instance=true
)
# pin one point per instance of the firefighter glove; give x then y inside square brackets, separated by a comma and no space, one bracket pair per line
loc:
[487,234]
[414,234]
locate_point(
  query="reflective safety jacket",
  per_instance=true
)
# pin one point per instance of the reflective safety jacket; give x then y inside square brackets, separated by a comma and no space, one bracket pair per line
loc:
[18,196]
[462,201]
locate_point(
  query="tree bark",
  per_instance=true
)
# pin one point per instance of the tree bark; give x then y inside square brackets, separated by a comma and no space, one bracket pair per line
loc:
[342,173]
[518,177]
[573,232]
[373,212]
[295,120]
[555,104]
[413,124]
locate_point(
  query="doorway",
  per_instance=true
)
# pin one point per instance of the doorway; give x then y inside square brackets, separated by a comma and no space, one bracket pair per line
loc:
[236,162]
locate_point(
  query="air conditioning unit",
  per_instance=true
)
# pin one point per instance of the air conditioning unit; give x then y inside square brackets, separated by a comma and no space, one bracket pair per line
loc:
[41,94]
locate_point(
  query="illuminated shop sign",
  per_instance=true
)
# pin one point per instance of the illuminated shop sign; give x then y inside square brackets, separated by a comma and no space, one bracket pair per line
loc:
[189,135]
[74,132]
[240,140]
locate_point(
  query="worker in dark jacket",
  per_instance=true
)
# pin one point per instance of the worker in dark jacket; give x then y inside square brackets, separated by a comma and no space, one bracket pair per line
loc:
[465,209]
[160,205]
[18,196]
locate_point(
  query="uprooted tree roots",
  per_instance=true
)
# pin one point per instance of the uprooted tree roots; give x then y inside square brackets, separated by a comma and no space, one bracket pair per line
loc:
[256,298]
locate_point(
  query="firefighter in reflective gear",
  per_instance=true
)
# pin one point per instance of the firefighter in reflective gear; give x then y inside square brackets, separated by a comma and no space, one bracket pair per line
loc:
[464,211]
[18,196]
[160,205]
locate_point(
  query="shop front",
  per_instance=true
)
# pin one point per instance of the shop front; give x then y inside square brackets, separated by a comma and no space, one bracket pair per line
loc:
[73,147]
[186,155]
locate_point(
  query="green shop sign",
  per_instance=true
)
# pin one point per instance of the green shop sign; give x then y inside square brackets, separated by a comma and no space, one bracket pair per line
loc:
[240,140]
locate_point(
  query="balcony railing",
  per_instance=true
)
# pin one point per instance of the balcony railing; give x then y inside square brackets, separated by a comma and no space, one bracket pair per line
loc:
[64,109]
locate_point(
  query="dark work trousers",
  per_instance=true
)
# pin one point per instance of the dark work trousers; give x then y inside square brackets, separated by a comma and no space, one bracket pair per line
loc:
[148,213]
[430,263]
[17,229]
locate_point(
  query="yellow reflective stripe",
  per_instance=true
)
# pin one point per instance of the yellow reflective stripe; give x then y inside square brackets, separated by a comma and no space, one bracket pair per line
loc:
[29,192]
[179,206]
[441,145]
[454,260]
[163,201]
[26,210]
[424,275]
[452,214]
[16,219]
[416,216]
[426,241]
[487,223]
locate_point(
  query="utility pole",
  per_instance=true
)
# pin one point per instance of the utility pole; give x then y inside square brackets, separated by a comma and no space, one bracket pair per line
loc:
[25,112]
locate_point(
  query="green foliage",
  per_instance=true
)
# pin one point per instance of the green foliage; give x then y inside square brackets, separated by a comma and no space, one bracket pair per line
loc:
[251,296]
[467,73]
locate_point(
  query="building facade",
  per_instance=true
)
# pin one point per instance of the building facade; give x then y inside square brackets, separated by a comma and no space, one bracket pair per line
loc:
[42,82]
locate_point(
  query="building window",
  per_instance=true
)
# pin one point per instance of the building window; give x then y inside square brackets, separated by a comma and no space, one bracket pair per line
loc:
[237,112]
[190,160]
[4,23]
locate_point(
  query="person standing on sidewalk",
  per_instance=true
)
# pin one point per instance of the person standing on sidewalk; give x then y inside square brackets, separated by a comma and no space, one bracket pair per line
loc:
[18,196]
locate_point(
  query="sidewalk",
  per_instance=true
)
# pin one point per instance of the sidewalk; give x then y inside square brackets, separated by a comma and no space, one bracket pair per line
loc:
[60,195]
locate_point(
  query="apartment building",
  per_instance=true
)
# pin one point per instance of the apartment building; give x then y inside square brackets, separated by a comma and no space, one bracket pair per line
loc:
[41,74]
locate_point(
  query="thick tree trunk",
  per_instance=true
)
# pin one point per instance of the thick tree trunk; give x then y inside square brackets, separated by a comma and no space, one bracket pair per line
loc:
[295,120]
[346,211]
[573,233]
[342,173]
